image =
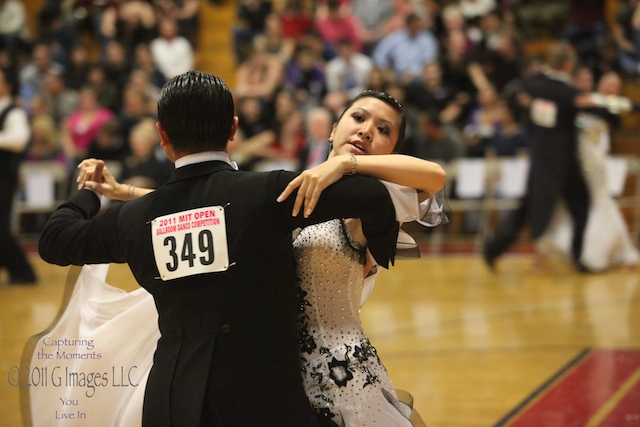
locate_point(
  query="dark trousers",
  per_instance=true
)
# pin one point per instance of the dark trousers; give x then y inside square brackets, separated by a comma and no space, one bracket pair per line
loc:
[577,201]
[507,233]
[12,256]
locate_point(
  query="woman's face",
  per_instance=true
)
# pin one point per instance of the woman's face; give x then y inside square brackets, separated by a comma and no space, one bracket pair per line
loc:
[87,99]
[369,126]
[610,84]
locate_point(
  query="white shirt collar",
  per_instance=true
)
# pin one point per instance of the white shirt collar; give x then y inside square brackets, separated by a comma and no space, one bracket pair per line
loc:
[205,156]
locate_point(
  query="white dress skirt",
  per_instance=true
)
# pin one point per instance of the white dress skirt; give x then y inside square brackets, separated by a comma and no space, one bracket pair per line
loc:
[607,242]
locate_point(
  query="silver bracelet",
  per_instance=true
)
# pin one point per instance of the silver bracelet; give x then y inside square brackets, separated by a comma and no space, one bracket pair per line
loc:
[354,164]
[130,192]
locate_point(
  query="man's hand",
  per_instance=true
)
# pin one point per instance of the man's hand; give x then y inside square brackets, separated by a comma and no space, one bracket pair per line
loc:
[96,176]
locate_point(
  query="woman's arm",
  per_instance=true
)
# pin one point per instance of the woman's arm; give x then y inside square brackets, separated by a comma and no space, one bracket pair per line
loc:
[425,176]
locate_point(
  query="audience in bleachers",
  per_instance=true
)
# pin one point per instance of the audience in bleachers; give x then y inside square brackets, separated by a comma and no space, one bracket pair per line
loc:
[454,64]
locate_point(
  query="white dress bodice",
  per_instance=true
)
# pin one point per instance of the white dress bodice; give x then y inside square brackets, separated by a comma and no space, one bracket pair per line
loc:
[344,379]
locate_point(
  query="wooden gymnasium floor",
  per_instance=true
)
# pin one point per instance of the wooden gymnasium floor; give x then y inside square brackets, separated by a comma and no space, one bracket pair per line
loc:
[526,346]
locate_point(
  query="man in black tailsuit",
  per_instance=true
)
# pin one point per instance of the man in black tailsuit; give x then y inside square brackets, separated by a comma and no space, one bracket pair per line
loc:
[213,247]
[555,173]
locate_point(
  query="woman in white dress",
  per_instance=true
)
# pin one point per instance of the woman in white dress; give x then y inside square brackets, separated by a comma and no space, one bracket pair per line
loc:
[345,380]
[607,242]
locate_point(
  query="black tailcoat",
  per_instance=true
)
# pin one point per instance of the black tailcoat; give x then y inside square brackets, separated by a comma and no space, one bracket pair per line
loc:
[227,355]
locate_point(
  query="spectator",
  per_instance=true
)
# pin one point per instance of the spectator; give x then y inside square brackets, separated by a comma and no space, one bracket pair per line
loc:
[475,9]
[275,42]
[129,22]
[403,53]
[139,80]
[135,108]
[172,53]
[143,59]
[373,17]
[82,126]
[284,151]
[14,33]
[32,74]
[145,167]
[108,93]
[278,146]
[186,14]
[454,63]
[453,22]
[401,10]
[334,25]
[45,140]
[431,92]
[77,70]
[434,140]
[58,31]
[251,21]
[260,75]
[117,64]
[511,139]
[296,18]
[483,122]
[607,59]
[253,119]
[586,27]
[318,124]
[349,71]
[109,144]
[61,100]
[304,76]
[627,36]
[500,61]
[377,79]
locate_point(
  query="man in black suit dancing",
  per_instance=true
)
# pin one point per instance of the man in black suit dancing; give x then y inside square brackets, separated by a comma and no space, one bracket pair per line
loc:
[213,247]
[555,173]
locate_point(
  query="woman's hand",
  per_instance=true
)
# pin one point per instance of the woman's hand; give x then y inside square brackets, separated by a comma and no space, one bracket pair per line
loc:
[313,181]
[106,184]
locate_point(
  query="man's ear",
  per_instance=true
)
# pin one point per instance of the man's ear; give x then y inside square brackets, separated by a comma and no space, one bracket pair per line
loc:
[234,128]
[164,138]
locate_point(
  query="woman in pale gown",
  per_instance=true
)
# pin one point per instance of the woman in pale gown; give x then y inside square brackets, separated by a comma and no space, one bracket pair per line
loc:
[346,383]
[607,242]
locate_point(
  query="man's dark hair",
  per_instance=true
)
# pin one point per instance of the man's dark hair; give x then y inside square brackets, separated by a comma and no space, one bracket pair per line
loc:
[387,99]
[196,111]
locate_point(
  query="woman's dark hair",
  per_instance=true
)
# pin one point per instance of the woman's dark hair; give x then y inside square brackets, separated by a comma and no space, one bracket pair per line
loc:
[196,111]
[387,99]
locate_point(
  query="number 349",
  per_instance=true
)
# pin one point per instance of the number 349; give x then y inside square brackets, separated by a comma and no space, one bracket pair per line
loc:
[205,251]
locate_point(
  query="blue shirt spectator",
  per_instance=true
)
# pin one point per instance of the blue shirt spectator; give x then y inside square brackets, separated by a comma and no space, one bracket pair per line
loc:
[405,51]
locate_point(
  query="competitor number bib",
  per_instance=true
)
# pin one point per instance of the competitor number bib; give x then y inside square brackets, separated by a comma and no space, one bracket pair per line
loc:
[190,242]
